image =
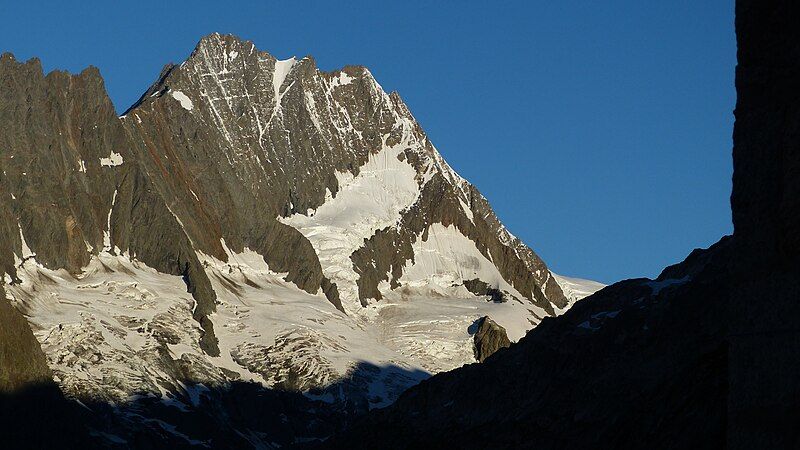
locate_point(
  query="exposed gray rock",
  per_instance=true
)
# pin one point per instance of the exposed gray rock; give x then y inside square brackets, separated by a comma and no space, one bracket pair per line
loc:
[56,129]
[489,338]
[71,176]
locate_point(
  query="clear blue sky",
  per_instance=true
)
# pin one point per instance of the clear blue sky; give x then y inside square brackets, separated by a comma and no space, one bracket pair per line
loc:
[600,131]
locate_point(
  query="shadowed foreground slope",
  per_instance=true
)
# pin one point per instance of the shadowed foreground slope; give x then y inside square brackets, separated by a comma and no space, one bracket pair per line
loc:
[231,416]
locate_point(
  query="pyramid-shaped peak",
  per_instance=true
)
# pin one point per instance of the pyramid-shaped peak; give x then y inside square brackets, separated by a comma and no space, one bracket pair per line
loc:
[216,44]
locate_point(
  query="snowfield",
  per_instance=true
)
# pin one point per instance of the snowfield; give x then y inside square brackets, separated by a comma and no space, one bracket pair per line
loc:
[121,329]
[366,203]
[577,288]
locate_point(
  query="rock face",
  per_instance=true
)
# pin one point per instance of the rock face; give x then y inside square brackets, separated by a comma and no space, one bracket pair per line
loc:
[249,224]
[766,216]
[766,191]
[702,357]
[489,338]
[67,192]
[246,144]
[21,359]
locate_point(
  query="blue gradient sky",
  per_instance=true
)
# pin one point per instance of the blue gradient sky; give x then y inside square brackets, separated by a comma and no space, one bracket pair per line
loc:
[600,131]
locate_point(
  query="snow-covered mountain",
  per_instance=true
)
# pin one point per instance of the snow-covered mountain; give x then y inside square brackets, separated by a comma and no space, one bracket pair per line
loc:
[326,246]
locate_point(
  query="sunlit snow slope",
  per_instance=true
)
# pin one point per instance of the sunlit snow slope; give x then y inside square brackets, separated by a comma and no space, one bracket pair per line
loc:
[577,288]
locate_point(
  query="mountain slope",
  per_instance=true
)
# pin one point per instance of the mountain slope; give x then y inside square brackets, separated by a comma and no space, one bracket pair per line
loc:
[247,138]
[249,221]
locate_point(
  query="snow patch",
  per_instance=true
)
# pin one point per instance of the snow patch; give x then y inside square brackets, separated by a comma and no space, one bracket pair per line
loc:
[467,210]
[658,286]
[596,321]
[282,69]
[107,231]
[113,160]
[27,253]
[448,258]
[184,100]
[342,79]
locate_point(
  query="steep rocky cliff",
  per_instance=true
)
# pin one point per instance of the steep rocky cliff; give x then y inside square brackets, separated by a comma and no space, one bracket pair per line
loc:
[764,342]
[705,356]
[246,143]
[67,193]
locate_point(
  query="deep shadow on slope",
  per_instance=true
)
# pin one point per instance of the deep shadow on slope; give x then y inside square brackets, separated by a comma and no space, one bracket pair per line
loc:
[240,415]
[37,417]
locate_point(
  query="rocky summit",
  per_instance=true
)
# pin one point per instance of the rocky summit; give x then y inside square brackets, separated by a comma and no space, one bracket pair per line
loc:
[253,254]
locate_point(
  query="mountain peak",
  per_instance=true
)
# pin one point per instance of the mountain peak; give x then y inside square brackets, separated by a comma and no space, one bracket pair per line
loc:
[218,41]
[312,221]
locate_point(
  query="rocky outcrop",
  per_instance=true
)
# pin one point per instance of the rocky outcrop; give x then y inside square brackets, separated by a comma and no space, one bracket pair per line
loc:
[704,356]
[479,287]
[489,338]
